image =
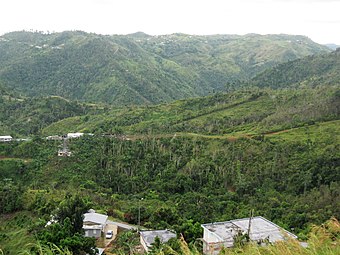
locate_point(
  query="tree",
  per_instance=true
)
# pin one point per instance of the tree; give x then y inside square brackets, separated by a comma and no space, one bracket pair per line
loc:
[73,208]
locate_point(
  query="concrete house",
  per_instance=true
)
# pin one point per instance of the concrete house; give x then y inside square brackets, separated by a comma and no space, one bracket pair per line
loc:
[64,153]
[221,234]
[54,138]
[147,237]
[94,223]
[6,138]
[74,135]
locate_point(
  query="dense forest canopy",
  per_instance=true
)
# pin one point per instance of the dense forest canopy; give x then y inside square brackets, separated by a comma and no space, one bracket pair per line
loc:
[139,69]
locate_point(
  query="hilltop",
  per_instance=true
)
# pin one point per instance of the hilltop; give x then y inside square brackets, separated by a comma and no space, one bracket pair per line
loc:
[139,69]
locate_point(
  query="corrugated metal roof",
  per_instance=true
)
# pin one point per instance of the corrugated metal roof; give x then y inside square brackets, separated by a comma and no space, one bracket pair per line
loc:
[150,235]
[260,229]
[95,217]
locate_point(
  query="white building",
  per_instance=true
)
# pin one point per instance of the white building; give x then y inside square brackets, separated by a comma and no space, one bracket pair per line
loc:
[147,237]
[54,138]
[94,223]
[74,135]
[64,153]
[222,234]
[6,138]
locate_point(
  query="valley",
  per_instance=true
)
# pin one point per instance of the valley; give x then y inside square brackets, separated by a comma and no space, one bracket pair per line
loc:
[180,131]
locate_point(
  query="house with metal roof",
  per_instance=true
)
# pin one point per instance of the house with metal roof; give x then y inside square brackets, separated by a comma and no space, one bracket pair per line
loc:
[94,223]
[147,237]
[74,135]
[5,138]
[222,234]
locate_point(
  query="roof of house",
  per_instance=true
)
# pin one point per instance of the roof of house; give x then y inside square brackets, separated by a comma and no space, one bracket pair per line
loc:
[260,229]
[75,134]
[6,137]
[150,235]
[92,216]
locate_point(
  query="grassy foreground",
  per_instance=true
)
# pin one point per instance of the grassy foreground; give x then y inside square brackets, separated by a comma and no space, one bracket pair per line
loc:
[324,240]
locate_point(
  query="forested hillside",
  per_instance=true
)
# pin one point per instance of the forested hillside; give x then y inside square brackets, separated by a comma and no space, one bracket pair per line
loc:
[291,178]
[21,116]
[222,60]
[248,112]
[137,68]
[310,71]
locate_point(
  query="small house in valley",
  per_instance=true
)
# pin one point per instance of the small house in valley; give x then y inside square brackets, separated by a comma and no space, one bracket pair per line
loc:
[74,135]
[5,138]
[223,234]
[94,223]
[54,138]
[147,237]
[64,153]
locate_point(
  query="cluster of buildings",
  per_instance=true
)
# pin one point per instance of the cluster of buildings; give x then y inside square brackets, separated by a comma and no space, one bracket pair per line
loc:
[215,235]
[64,151]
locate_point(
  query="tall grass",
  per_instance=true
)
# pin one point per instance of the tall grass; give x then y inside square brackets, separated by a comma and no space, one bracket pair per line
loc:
[323,240]
[39,249]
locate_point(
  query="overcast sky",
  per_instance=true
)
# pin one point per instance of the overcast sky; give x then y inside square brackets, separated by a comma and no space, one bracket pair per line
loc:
[317,19]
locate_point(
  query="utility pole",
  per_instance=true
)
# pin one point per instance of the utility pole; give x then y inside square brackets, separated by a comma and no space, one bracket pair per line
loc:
[250,218]
[139,201]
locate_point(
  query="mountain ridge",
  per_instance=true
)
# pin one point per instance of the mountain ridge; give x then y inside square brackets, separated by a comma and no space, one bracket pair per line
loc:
[138,68]
[311,71]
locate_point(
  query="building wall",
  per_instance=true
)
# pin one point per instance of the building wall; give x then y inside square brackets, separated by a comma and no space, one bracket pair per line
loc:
[143,243]
[212,244]
[93,233]
[209,237]
[89,223]
[215,248]
[5,139]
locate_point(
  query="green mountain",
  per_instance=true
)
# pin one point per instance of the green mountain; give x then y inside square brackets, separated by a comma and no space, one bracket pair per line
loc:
[224,59]
[137,68]
[310,71]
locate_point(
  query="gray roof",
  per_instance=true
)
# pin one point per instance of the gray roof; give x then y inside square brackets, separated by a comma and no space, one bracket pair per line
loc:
[95,217]
[150,235]
[260,229]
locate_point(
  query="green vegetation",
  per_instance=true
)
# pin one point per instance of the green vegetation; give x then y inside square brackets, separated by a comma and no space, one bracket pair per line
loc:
[27,116]
[306,72]
[135,69]
[176,165]
[15,231]
[241,113]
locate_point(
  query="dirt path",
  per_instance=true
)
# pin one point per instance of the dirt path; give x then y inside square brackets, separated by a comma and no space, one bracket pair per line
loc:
[112,227]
